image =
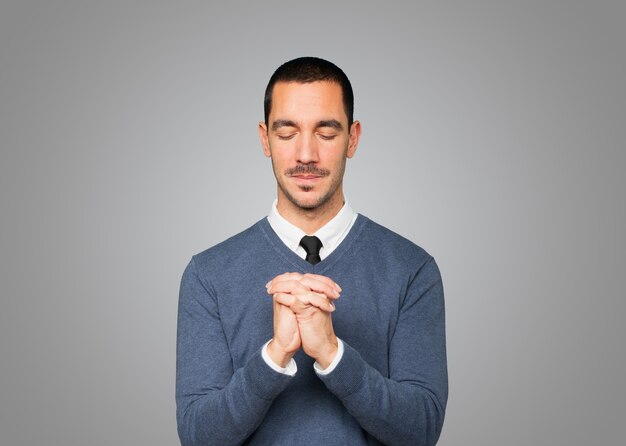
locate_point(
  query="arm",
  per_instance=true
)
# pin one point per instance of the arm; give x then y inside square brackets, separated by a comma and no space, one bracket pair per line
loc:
[216,405]
[409,406]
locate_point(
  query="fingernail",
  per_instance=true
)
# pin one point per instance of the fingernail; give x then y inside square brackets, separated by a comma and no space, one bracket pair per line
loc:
[338,288]
[267,285]
[332,306]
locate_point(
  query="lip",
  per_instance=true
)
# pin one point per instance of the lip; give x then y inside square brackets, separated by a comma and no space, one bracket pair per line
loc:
[306,177]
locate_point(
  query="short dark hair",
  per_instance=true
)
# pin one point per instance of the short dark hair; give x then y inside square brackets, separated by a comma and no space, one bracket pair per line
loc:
[311,69]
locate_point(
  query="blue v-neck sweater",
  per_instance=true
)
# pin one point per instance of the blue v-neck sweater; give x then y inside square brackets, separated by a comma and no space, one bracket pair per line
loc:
[390,386]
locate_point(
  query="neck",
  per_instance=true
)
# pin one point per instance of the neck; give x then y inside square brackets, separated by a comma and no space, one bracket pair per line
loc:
[309,220]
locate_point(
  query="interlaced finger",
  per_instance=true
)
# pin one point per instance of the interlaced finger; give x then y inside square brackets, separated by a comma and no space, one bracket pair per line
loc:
[283,277]
[313,282]
[288,286]
[300,302]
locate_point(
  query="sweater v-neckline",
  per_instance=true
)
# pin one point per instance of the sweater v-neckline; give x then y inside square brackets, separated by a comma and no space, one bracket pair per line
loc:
[298,262]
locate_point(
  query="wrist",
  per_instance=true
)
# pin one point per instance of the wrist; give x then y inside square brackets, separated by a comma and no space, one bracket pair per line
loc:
[325,358]
[279,356]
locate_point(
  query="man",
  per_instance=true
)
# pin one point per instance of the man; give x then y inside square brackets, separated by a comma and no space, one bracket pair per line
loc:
[315,326]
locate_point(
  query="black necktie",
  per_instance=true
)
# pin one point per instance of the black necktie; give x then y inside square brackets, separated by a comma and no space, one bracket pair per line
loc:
[311,245]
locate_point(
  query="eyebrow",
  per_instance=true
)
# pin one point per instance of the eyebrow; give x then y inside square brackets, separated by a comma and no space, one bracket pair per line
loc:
[283,123]
[332,123]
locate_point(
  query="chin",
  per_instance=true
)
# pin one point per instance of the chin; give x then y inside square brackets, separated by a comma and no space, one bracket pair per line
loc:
[307,199]
[309,202]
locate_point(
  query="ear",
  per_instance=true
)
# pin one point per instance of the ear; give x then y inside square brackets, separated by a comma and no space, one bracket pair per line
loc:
[353,142]
[264,139]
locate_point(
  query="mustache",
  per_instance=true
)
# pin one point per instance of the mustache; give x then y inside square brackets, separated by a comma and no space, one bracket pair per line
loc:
[307,169]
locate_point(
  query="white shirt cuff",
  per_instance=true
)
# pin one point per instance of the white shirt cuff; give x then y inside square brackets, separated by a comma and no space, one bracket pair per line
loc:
[336,359]
[291,368]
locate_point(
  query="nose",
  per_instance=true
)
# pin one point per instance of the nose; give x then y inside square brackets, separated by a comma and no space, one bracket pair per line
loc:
[307,150]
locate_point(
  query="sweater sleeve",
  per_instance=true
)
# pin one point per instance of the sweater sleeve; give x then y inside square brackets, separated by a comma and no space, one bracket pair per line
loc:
[216,405]
[408,406]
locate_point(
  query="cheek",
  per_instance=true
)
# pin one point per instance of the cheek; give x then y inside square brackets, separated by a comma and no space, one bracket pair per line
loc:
[278,158]
[279,163]
[337,155]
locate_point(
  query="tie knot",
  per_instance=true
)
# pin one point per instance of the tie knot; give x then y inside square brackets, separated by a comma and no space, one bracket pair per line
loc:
[311,245]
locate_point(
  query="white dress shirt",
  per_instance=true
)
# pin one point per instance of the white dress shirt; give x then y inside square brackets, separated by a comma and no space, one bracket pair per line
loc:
[331,235]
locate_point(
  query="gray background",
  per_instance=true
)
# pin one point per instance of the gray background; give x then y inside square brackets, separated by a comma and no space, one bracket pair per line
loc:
[494,136]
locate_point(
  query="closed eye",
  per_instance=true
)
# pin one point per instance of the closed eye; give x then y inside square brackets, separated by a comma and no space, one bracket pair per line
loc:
[327,137]
[286,137]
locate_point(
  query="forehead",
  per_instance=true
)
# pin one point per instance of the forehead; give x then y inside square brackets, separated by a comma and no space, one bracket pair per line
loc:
[313,100]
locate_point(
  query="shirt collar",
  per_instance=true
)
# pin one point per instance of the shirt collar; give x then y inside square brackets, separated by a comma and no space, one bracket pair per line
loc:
[330,234]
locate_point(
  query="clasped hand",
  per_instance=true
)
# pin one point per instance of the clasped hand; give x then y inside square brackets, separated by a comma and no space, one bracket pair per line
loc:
[303,304]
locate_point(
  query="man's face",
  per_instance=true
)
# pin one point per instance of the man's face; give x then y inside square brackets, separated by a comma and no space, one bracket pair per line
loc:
[308,139]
